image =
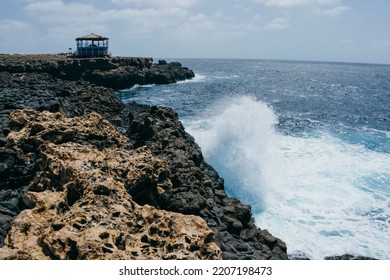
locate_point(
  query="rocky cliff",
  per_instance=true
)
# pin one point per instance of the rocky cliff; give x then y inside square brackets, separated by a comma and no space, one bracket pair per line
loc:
[78,206]
[85,176]
[114,72]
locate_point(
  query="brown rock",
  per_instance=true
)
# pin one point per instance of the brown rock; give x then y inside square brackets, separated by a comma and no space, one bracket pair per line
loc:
[80,204]
[197,188]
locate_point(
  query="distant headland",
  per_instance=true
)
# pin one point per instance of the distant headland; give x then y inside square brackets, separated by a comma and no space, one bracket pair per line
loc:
[113,72]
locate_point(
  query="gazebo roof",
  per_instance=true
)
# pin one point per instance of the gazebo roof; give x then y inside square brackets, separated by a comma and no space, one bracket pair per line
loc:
[92,36]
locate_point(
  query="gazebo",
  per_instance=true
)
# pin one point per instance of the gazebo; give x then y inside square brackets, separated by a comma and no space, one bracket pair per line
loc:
[92,45]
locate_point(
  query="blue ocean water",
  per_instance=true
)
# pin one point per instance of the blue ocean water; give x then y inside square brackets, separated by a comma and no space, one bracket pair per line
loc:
[306,144]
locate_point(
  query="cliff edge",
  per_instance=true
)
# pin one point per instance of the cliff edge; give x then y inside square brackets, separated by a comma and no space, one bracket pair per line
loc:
[78,205]
[85,176]
[113,72]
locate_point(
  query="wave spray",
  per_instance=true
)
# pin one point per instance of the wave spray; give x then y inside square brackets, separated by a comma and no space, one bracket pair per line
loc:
[321,195]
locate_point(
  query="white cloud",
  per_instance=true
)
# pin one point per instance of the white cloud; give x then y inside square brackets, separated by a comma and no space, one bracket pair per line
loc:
[385,43]
[283,3]
[158,3]
[58,11]
[278,24]
[294,3]
[334,12]
[22,1]
[135,22]
[18,35]
[345,42]
[10,25]
[79,18]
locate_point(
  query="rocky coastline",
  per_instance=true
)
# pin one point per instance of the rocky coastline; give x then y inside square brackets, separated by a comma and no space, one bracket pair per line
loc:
[85,176]
[115,72]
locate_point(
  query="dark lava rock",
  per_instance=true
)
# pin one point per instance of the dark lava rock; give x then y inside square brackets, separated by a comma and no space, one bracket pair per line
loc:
[349,257]
[71,87]
[40,91]
[197,188]
[115,72]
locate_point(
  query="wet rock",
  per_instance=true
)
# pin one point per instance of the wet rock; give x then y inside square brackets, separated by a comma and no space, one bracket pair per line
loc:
[197,188]
[349,257]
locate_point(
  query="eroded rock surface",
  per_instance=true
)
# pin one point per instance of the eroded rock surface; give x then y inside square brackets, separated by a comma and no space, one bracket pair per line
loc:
[175,180]
[41,92]
[196,186]
[79,206]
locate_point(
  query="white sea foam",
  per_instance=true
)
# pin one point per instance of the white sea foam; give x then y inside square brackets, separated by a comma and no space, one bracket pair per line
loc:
[321,195]
[198,78]
[137,87]
[224,140]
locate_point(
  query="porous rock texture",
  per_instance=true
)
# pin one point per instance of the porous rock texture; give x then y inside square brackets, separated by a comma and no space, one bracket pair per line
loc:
[79,206]
[196,186]
[180,184]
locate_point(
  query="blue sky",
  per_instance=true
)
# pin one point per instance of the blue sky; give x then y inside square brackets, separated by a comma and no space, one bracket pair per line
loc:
[324,30]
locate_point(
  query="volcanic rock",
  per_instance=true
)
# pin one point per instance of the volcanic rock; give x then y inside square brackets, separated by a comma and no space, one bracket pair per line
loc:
[81,150]
[113,72]
[348,257]
[197,188]
[79,206]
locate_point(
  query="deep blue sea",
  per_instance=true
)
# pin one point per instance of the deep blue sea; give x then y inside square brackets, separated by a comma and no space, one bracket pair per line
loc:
[306,144]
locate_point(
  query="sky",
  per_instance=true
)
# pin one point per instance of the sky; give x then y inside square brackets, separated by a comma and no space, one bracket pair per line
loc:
[315,30]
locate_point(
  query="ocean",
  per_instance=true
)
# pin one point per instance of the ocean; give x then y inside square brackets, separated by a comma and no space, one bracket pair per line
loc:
[306,144]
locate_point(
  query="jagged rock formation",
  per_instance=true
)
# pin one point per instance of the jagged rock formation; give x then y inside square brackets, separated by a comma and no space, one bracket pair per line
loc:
[115,72]
[349,257]
[180,183]
[79,207]
[197,188]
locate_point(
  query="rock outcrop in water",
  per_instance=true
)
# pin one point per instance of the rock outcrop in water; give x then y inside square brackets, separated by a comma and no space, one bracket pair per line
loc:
[196,187]
[84,176]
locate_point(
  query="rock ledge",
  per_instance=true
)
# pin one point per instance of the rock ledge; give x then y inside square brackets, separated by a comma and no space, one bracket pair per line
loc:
[78,206]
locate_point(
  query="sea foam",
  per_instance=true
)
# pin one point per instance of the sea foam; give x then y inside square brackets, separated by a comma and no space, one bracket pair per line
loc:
[323,196]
